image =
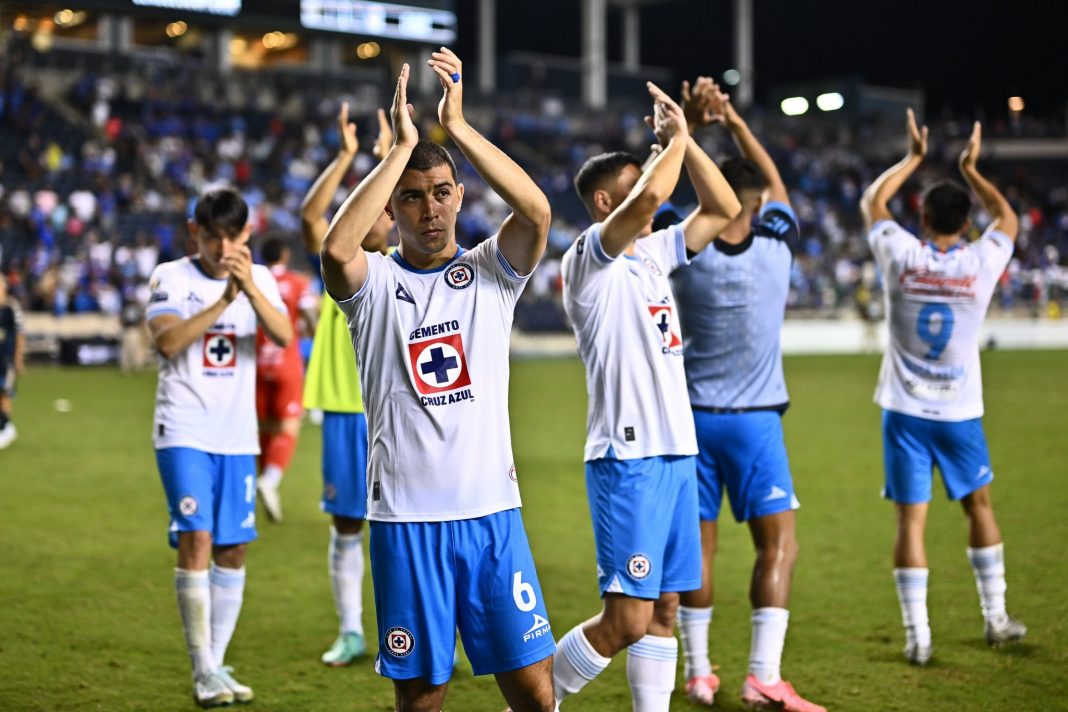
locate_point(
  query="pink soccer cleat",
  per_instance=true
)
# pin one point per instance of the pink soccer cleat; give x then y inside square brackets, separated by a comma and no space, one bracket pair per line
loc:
[780,696]
[702,689]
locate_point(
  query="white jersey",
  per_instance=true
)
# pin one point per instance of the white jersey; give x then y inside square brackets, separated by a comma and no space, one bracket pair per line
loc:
[432,354]
[624,316]
[936,302]
[206,397]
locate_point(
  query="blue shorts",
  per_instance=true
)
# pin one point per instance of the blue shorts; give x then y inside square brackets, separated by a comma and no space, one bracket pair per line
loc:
[431,578]
[912,446]
[645,524]
[209,492]
[344,465]
[746,453]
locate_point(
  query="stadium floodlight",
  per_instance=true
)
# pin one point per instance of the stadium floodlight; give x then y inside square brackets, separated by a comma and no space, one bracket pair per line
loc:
[1016,104]
[732,77]
[794,105]
[832,101]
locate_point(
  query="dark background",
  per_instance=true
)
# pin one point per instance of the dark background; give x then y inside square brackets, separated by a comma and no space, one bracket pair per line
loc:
[967,56]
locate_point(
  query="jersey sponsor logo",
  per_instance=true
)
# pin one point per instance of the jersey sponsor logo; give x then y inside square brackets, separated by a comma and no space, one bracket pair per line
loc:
[664,318]
[188,506]
[920,282]
[459,276]
[439,366]
[402,294]
[639,566]
[540,628]
[158,297]
[652,266]
[220,350]
[399,642]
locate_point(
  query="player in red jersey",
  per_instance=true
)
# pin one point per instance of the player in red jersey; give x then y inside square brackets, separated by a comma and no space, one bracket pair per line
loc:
[280,380]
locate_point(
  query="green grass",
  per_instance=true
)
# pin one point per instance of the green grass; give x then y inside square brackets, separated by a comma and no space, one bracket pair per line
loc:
[88,619]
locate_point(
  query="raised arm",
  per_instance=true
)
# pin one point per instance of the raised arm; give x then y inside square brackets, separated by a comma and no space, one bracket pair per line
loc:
[707,103]
[1005,220]
[344,263]
[873,204]
[313,209]
[657,182]
[524,232]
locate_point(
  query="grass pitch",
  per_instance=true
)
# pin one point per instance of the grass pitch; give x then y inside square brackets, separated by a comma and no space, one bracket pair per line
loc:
[89,622]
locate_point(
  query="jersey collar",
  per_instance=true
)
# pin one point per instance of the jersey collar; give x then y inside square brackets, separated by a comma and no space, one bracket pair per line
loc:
[404,263]
[934,248]
[200,268]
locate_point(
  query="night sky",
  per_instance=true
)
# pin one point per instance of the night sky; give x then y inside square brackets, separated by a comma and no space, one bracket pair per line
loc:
[967,56]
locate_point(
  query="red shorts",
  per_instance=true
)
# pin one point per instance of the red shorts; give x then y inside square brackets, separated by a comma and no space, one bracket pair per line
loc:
[280,398]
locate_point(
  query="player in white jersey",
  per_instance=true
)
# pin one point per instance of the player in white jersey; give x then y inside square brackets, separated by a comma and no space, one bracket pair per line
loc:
[732,298]
[202,315]
[930,388]
[431,326]
[640,443]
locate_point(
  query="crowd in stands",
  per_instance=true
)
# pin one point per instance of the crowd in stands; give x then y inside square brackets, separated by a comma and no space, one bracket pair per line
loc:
[96,183]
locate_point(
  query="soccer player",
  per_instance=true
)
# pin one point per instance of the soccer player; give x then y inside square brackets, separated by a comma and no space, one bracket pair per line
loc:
[431,325]
[930,387]
[202,316]
[332,386]
[280,380]
[640,444]
[12,348]
[731,303]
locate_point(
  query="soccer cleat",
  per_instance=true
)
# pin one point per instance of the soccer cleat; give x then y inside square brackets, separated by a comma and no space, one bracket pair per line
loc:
[7,435]
[918,654]
[780,696]
[702,689]
[345,650]
[272,500]
[1007,631]
[242,693]
[210,690]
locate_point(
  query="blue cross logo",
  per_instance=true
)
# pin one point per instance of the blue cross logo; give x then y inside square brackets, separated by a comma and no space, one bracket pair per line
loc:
[220,350]
[439,364]
[663,324]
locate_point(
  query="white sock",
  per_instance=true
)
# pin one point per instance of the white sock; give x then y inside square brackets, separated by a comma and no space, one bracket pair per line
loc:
[227,593]
[271,476]
[651,672]
[346,578]
[693,627]
[911,586]
[988,563]
[575,663]
[769,636]
[194,605]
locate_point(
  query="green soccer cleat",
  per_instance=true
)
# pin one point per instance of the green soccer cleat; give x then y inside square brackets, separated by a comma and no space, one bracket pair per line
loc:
[345,650]
[210,690]
[242,693]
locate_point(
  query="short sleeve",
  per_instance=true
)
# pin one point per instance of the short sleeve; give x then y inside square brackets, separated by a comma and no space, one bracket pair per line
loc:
[669,246]
[584,262]
[165,292]
[995,251]
[778,221]
[887,240]
[376,275]
[267,284]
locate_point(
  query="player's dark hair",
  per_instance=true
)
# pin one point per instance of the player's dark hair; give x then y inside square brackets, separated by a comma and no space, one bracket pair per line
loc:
[221,212]
[427,155]
[596,170]
[273,248]
[744,177]
[946,206]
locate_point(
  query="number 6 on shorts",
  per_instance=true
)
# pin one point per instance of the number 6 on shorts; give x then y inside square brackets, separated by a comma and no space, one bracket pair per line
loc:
[523,593]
